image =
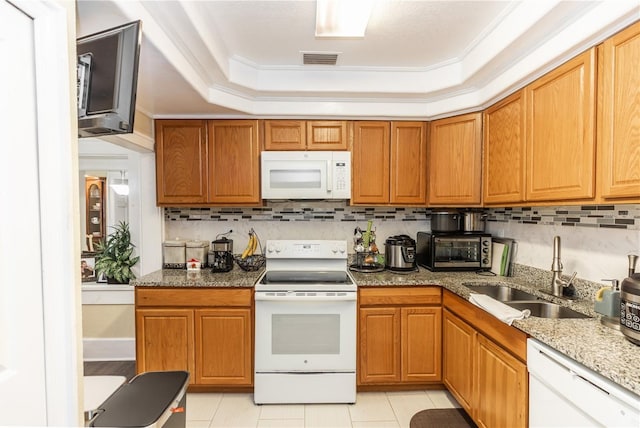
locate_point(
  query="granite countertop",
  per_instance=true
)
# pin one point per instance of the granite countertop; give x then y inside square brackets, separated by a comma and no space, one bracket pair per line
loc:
[202,278]
[599,348]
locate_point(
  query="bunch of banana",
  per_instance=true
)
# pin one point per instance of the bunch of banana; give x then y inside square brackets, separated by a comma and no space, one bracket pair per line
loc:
[251,245]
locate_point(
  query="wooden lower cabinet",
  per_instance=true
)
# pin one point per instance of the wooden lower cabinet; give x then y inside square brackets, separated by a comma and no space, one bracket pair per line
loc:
[223,346]
[208,332]
[459,338]
[501,382]
[399,336]
[164,340]
[484,365]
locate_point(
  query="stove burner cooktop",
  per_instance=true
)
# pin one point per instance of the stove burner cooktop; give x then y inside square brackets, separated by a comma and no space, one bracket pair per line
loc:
[303,277]
[295,280]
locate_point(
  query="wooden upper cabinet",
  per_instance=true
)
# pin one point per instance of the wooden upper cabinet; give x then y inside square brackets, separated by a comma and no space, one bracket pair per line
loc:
[285,135]
[408,169]
[181,161]
[327,135]
[305,135]
[370,163]
[389,161]
[504,151]
[234,161]
[560,132]
[619,126]
[455,161]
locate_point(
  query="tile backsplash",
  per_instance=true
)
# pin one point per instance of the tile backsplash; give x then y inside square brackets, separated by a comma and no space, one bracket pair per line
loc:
[298,211]
[604,216]
[595,238]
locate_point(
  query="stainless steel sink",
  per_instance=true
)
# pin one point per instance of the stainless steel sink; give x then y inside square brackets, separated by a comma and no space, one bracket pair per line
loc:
[521,300]
[547,310]
[502,293]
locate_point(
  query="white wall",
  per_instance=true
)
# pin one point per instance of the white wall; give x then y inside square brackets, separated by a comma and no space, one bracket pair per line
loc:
[595,253]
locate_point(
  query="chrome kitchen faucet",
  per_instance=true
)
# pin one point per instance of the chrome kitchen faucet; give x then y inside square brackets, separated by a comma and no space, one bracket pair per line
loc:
[557,283]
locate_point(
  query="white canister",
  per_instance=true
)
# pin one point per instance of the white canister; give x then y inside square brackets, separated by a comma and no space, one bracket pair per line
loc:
[197,250]
[174,254]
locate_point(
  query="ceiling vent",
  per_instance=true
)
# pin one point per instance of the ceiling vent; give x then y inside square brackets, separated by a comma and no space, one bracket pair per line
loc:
[319,58]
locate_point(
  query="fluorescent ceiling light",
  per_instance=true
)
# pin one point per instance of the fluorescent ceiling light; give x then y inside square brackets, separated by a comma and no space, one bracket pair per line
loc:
[342,18]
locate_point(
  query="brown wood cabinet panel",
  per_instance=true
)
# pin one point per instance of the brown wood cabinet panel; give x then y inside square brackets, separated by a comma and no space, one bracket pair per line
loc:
[285,135]
[208,332]
[370,162]
[223,351]
[408,171]
[400,295]
[619,127]
[379,338]
[399,336]
[327,135]
[234,161]
[560,132]
[484,364]
[512,339]
[458,350]
[191,297]
[504,151]
[501,382]
[181,161]
[455,161]
[421,344]
[164,340]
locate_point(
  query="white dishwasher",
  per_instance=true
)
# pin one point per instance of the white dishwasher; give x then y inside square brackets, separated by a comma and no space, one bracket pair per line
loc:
[564,393]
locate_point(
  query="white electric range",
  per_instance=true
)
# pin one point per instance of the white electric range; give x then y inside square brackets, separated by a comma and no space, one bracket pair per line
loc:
[305,324]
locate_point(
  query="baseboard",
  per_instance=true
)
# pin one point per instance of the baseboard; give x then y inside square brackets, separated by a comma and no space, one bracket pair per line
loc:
[109,349]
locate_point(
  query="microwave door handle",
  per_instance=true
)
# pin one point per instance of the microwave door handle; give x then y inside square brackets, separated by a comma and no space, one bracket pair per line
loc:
[329,177]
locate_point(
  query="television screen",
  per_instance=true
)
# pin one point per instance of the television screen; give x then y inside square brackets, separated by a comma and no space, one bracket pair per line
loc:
[107,80]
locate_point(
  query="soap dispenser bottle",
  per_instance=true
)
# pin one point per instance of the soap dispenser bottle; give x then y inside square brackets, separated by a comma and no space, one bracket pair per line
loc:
[608,304]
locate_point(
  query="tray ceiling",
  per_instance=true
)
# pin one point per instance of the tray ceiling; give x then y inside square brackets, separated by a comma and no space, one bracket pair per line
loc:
[418,59]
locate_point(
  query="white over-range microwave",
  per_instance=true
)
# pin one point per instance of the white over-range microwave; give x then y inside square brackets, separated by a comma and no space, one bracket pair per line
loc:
[306,175]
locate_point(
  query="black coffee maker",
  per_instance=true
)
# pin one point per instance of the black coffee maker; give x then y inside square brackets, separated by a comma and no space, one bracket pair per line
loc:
[221,255]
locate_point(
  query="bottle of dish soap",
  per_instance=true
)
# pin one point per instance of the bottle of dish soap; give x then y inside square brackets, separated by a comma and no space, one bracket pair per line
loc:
[608,300]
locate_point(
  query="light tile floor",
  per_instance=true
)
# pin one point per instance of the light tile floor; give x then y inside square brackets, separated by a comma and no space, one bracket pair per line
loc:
[371,410]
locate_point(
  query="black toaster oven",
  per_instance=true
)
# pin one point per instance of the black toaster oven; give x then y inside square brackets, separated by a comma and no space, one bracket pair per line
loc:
[447,251]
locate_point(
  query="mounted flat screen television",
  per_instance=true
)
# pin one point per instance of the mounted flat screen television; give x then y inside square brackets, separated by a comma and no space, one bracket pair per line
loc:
[107,80]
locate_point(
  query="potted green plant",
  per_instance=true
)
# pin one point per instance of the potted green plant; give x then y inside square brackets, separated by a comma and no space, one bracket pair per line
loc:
[115,256]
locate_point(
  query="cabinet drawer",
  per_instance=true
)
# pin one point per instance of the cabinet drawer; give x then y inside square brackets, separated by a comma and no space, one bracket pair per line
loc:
[178,297]
[429,295]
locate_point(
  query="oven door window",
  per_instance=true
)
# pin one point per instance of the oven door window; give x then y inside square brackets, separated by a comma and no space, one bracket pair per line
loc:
[305,334]
[457,251]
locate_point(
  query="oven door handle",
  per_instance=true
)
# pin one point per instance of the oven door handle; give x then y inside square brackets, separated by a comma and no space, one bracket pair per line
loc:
[291,297]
